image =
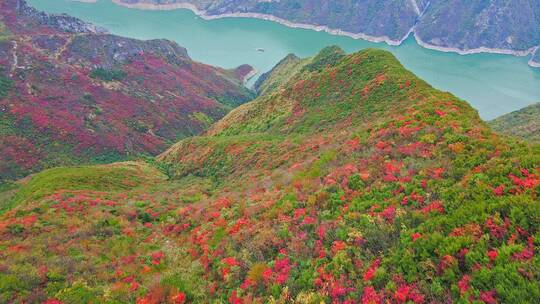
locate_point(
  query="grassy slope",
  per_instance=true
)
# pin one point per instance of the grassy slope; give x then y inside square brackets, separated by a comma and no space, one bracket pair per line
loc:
[524,123]
[105,178]
[352,181]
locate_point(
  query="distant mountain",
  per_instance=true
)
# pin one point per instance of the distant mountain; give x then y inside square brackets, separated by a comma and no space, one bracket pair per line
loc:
[349,180]
[463,26]
[71,93]
[524,123]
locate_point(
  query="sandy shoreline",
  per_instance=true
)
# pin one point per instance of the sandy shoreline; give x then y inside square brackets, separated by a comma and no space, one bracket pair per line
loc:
[319,28]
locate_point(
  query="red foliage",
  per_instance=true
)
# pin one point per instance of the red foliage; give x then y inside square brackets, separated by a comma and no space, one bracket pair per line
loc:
[415,236]
[446,262]
[440,113]
[370,273]
[489,297]
[134,286]
[493,254]
[464,284]
[282,268]
[230,261]
[234,299]
[528,181]
[383,145]
[499,191]
[179,298]
[242,222]
[370,296]
[497,231]
[19,151]
[335,287]
[337,246]
[391,171]
[527,253]
[389,214]
[402,294]
[437,173]
[435,206]
[352,145]
[157,257]
[58,101]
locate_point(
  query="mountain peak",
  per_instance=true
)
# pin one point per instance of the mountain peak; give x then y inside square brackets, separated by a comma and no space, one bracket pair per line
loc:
[314,94]
[363,91]
[327,56]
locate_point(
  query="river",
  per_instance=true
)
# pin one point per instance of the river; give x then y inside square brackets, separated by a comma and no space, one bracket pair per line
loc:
[494,84]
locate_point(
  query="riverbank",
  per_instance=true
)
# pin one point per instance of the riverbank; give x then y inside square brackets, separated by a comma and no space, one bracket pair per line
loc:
[377,39]
[522,53]
[319,28]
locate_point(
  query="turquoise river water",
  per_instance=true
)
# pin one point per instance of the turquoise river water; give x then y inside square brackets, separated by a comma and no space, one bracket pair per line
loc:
[494,84]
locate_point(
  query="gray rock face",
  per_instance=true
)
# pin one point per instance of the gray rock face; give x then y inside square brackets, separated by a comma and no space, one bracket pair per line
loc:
[60,22]
[109,50]
[379,18]
[390,18]
[471,24]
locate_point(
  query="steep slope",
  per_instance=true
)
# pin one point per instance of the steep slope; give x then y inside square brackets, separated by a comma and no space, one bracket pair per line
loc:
[524,123]
[352,181]
[463,26]
[279,74]
[468,25]
[71,93]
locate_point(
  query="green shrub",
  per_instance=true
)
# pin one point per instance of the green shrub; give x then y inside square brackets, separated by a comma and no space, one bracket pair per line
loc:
[108,75]
[5,86]
[78,293]
[355,182]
